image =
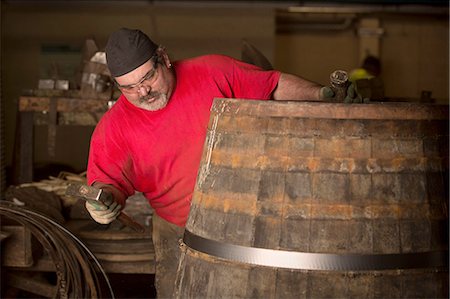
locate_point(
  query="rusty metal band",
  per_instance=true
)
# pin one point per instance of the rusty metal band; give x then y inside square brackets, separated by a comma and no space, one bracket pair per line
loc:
[315,261]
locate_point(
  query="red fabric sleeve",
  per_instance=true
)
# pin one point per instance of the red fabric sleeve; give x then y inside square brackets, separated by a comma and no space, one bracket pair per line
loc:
[108,161]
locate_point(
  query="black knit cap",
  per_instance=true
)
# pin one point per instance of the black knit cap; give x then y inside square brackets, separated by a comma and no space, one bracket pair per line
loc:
[127,49]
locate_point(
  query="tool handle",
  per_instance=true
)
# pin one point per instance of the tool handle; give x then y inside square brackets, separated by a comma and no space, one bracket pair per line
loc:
[130,222]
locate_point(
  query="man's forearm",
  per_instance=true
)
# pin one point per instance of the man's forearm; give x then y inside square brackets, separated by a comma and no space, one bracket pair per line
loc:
[295,88]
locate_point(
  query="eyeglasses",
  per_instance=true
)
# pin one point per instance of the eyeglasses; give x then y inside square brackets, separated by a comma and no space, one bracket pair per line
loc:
[150,77]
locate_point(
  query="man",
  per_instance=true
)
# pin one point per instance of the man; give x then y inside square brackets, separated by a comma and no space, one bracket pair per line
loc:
[151,140]
[370,68]
[367,81]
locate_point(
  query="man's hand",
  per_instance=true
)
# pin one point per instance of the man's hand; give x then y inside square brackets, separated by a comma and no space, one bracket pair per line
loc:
[326,94]
[101,213]
[353,96]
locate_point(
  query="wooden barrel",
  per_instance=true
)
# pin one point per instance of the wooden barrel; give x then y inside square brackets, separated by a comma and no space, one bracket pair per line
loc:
[319,200]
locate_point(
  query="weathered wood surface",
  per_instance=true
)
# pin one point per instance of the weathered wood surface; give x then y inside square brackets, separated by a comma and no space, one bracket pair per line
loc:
[320,110]
[41,104]
[118,248]
[124,247]
[90,230]
[136,257]
[54,111]
[130,267]
[23,148]
[17,249]
[69,118]
[32,283]
[320,178]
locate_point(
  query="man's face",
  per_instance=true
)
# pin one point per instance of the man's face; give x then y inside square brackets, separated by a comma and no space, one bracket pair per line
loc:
[150,85]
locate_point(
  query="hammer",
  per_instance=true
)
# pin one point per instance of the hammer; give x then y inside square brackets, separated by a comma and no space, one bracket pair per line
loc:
[95,195]
[339,83]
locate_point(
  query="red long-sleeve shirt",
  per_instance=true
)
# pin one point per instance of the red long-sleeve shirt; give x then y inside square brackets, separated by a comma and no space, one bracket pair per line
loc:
[158,152]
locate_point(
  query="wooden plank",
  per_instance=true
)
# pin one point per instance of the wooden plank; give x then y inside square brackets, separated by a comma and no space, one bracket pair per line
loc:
[127,234]
[136,246]
[4,235]
[42,104]
[32,285]
[71,93]
[142,257]
[23,151]
[146,267]
[288,109]
[17,250]
[52,122]
[90,230]
[44,264]
[70,118]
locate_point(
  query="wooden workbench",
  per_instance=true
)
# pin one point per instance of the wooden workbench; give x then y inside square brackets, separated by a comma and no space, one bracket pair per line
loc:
[52,108]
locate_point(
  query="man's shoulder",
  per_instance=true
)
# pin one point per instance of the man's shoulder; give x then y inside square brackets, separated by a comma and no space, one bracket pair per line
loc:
[206,60]
[115,109]
[114,114]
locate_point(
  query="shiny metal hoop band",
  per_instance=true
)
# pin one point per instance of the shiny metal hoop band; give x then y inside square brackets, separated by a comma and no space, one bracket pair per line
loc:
[315,261]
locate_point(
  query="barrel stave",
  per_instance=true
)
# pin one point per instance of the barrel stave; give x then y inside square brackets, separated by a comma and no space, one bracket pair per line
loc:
[321,178]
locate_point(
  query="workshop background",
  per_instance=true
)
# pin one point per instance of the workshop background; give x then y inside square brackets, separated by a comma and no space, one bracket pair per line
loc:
[310,41]
[46,40]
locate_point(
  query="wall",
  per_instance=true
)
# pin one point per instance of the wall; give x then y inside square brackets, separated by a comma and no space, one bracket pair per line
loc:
[413,49]
[416,57]
[185,32]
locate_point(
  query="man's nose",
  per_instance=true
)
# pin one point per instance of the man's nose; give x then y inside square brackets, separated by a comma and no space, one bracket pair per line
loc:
[144,90]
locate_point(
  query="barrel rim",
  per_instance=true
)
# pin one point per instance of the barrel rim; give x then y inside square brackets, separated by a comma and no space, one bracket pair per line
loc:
[310,109]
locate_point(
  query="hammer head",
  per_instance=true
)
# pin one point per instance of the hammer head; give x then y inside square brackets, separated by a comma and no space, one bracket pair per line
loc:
[89,193]
[338,78]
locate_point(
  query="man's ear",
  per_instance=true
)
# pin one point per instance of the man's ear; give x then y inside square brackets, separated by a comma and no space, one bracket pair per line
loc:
[166,60]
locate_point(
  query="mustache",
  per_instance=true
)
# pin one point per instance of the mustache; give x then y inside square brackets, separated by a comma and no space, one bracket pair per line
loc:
[153,94]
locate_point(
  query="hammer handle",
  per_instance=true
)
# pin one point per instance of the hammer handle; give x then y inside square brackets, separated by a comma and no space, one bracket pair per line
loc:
[130,222]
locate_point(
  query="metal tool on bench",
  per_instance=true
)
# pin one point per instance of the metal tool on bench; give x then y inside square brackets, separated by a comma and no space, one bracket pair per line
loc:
[95,195]
[339,83]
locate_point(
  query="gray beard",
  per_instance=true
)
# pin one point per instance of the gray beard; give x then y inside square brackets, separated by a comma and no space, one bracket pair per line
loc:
[159,102]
